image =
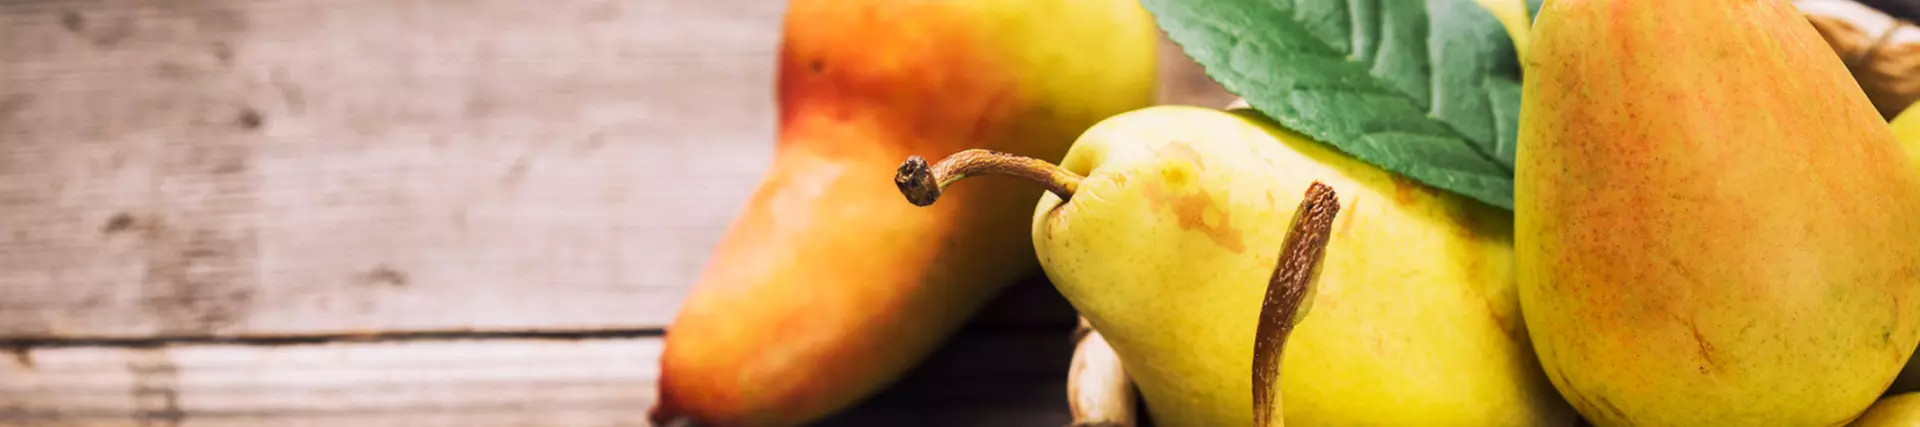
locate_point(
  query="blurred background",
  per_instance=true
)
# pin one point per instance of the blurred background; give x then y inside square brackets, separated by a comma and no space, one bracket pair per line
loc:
[405,213]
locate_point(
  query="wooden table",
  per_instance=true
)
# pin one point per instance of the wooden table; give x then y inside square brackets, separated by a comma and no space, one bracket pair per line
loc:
[404,213]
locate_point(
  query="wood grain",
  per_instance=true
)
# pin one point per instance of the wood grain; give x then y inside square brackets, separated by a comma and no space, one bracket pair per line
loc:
[412,383]
[1002,372]
[476,383]
[230,167]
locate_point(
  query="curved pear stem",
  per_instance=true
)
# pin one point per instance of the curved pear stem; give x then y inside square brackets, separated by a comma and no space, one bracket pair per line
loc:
[1293,279]
[922,184]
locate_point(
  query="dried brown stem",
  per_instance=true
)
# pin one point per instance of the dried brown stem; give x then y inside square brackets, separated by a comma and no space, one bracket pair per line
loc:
[922,184]
[1099,393]
[1293,279]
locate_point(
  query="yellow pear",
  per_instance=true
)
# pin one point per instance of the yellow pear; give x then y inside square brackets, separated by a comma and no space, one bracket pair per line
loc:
[1714,225]
[1899,410]
[1171,220]
[1906,129]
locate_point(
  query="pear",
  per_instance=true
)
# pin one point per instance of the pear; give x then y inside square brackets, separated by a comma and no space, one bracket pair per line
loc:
[1906,129]
[1161,223]
[826,288]
[1714,225]
[1898,410]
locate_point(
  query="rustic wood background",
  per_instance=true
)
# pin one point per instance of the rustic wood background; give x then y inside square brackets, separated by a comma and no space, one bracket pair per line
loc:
[404,213]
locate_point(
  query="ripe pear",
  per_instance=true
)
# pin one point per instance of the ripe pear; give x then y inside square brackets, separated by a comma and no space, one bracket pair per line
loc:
[1714,225]
[1163,243]
[1898,410]
[826,288]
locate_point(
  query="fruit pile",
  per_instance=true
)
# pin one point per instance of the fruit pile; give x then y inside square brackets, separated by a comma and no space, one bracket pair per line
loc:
[1427,213]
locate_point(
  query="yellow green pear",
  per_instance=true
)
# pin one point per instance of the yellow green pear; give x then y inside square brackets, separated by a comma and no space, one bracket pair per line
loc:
[1898,410]
[1714,227]
[1171,223]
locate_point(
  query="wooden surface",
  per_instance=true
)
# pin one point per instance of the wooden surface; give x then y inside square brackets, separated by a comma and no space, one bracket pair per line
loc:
[1005,369]
[405,213]
[285,167]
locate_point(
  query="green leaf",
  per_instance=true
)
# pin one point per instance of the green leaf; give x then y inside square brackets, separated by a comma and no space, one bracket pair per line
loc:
[1426,89]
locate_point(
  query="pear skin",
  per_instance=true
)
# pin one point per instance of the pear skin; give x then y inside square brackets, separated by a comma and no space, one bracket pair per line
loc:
[1906,129]
[826,288]
[1166,244]
[1714,225]
[1898,410]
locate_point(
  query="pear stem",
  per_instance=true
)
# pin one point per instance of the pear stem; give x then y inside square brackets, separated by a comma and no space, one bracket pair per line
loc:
[1099,392]
[1293,279]
[922,184]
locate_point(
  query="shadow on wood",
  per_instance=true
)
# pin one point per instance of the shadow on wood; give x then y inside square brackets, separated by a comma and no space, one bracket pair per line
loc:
[1007,367]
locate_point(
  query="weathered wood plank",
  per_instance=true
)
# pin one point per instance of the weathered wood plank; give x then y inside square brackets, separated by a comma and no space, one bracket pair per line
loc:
[292,166]
[481,383]
[986,376]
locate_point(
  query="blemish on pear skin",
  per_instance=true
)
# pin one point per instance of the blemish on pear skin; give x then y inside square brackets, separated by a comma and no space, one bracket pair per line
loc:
[1181,152]
[1346,223]
[1191,208]
[1503,322]
[1887,334]
[1406,191]
[1498,310]
[1705,348]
